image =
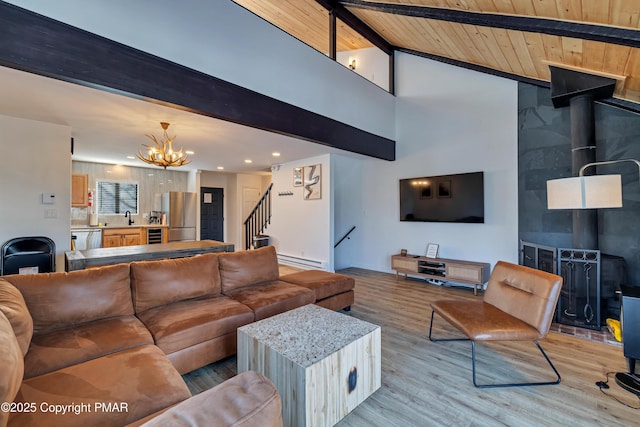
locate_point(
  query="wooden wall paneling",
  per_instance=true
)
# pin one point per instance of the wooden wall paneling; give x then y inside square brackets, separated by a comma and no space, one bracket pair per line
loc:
[504,42]
[521,50]
[474,34]
[464,36]
[545,9]
[572,51]
[615,58]
[488,38]
[624,13]
[535,46]
[596,11]
[593,55]
[570,10]
[632,69]
[553,48]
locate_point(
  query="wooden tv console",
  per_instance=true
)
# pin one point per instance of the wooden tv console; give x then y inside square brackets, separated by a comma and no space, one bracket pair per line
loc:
[446,270]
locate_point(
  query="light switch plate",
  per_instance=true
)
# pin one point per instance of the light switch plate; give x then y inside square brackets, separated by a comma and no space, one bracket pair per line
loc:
[48,198]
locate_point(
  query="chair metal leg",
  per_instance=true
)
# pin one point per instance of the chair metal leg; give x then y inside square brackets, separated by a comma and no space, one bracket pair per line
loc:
[441,339]
[473,362]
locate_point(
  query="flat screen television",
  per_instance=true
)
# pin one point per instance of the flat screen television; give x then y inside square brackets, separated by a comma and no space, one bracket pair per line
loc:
[444,198]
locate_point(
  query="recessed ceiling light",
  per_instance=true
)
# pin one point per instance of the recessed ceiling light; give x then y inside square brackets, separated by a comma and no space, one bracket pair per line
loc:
[189,152]
[149,174]
[220,168]
[131,157]
[248,161]
[275,154]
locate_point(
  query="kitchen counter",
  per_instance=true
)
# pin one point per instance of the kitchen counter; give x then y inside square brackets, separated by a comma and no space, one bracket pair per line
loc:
[102,227]
[79,260]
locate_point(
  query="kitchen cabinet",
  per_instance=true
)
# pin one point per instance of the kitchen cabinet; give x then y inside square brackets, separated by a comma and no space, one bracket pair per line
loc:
[130,236]
[79,190]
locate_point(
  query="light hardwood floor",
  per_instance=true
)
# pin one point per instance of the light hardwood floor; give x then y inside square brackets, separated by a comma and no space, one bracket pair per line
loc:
[429,384]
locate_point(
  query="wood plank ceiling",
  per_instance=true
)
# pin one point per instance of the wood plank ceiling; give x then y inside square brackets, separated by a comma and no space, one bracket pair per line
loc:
[518,37]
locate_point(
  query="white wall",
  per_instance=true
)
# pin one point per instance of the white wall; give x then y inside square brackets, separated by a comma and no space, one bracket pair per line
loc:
[371,63]
[302,228]
[449,120]
[38,160]
[224,40]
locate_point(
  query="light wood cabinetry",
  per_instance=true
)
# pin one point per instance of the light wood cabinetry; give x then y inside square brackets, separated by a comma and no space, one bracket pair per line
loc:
[446,270]
[115,237]
[79,190]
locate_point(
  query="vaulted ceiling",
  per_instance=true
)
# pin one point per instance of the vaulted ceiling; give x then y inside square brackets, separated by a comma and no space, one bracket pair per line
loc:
[515,38]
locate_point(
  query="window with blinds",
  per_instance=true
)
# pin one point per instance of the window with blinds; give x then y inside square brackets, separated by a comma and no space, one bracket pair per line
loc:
[117,197]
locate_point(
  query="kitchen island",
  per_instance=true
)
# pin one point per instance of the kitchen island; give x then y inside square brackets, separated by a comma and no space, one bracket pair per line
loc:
[79,260]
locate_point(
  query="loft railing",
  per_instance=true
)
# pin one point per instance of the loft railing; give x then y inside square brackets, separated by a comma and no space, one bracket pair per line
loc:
[346,236]
[258,219]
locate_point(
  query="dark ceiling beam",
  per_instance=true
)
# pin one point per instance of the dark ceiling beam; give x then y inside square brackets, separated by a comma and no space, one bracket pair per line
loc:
[616,102]
[600,33]
[41,45]
[354,22]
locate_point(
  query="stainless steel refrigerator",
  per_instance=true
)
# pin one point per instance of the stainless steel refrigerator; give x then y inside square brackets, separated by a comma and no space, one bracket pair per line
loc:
[180,208]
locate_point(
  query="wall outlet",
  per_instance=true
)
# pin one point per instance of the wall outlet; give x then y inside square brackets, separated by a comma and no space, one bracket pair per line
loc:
[51,213]
[145,216]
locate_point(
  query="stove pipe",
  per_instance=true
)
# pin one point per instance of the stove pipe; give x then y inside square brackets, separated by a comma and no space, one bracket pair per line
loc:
[583,151]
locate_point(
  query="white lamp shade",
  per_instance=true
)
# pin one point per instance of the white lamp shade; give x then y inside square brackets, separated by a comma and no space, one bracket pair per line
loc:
[585,192]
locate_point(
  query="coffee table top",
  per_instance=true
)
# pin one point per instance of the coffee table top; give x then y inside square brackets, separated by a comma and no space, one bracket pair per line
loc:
[308,334]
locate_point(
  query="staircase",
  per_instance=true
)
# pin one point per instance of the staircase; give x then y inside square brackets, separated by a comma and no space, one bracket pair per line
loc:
[258,219]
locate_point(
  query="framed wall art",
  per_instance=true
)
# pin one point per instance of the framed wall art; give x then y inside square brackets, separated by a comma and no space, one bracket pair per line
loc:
[313,182]
[297,177]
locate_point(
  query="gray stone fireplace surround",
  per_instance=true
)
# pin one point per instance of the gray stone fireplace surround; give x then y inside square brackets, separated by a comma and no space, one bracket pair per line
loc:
[544,152]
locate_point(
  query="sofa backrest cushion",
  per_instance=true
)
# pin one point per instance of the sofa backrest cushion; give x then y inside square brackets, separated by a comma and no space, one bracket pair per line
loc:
[57,300]
[12,305]
[156,283]
[246,268]
[11,366]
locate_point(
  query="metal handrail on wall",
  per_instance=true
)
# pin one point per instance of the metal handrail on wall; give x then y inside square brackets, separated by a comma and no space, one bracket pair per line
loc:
[346,236]
[258,219]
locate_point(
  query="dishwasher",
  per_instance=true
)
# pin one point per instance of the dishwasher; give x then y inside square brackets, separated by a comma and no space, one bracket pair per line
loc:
[87,239]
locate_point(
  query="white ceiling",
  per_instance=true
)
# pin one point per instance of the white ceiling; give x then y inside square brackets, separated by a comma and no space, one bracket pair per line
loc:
[108,127]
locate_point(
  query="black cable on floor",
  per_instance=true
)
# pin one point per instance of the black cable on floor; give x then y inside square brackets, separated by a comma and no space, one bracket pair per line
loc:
[604,385]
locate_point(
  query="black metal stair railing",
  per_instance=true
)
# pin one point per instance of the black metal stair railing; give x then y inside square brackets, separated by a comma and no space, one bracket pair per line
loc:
[346,236]
[258,219]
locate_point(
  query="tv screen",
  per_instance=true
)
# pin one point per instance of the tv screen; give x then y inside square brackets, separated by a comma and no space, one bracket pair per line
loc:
[444,198]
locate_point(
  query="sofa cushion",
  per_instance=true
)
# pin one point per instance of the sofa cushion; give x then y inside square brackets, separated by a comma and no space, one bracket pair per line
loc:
[11,366]
[186,323]
[12,305]
[75,344]
[248,400]
[156,283]
[246,268]
[78,297]
[141,381]
[271,298]
[323,283]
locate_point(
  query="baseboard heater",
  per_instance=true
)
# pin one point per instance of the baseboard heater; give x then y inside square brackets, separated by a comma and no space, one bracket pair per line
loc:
[304,263]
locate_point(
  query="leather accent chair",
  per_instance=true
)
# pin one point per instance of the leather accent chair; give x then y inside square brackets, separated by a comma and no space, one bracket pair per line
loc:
[518,305]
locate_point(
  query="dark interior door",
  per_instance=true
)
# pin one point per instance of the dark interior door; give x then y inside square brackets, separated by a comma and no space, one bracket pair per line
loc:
[211,214]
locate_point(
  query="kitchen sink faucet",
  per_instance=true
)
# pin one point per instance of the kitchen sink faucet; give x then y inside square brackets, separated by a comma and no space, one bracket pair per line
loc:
[128,214]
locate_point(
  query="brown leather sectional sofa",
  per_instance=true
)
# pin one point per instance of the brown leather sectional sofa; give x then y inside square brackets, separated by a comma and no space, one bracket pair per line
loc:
[108,345]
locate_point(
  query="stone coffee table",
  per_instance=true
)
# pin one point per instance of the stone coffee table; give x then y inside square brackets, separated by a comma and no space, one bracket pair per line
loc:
[322,362]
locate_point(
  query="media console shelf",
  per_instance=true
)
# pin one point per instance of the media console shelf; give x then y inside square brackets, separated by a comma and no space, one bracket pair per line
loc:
[446,270]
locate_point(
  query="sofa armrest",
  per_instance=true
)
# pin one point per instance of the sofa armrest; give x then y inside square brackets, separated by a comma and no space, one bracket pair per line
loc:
[249,400]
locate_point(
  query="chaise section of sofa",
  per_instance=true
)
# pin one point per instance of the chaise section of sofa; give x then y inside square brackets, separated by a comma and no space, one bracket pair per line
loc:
[333,291]
[252,278]
[180,302]
[78,316]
